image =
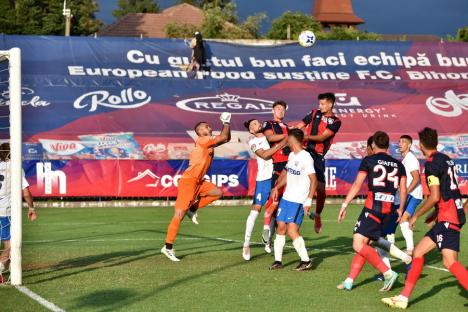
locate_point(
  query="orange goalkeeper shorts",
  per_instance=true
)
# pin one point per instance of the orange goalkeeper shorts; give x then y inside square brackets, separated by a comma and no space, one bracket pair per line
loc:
[189,190]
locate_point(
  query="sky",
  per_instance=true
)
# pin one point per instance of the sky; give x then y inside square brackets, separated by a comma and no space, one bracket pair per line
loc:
[438,17]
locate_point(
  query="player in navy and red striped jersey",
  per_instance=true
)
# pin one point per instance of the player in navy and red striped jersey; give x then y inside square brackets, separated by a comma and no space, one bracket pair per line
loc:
[385,175]
[321,127]
[445,234]
[275,131]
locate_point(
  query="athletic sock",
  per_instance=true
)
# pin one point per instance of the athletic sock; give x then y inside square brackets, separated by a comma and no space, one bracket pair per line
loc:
[384,256]
[399,254]
[172,230]
[300,247]
[356,267]
[408,235]
[279,243]
[391,238]
[371,255]
[460,273]
[268,212]
[249,225]
[413,276]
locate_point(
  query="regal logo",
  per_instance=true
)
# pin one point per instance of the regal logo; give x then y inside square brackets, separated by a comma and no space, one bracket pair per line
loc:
[226,102]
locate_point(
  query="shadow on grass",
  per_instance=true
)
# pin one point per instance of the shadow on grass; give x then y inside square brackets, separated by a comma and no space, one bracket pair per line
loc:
[437,288]
[104,299]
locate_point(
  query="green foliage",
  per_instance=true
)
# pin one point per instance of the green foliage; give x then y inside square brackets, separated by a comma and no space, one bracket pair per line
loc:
[462,34]
[136,6]
[174,30]
[344,33]
[203,3]
[297,21]
[222,23]
[44,17]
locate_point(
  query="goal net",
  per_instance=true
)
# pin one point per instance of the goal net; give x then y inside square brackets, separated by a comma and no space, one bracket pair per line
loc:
[10,166]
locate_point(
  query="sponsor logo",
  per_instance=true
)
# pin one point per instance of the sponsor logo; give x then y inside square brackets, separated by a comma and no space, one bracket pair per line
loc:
[235,104]
[451,105]
[144,174]
[48,179]
[388,198]
[170,180]
[66,148]
[127,99]
[28,98]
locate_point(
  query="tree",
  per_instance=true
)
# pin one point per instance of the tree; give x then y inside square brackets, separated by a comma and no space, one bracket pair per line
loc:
[344,33]
[203,3]
[44,17]
[297,22]
[462,34]
[136,6]
[174,30]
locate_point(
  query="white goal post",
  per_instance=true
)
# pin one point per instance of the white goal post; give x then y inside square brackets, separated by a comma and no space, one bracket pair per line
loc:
[13,57]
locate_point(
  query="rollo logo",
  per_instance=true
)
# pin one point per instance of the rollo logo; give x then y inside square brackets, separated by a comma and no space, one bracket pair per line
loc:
[452,105]
[234,104]
[127,99]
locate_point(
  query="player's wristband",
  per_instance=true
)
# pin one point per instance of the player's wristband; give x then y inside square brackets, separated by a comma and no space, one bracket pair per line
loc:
[344,205]
[308,202]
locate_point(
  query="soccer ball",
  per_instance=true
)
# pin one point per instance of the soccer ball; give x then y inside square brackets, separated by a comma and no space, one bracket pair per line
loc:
[307,38]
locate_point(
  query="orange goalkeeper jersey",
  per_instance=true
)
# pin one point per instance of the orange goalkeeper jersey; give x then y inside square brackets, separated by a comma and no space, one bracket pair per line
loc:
[200,158]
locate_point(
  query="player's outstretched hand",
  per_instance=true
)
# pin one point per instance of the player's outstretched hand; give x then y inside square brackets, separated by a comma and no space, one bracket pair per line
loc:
[342,213]
[32,215]
[225,118]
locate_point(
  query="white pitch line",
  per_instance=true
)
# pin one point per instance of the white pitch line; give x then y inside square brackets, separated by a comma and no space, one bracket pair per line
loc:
[45,303]
[437,268]
[151,222]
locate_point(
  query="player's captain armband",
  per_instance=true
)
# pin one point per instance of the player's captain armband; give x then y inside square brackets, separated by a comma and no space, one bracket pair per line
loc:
[433,180]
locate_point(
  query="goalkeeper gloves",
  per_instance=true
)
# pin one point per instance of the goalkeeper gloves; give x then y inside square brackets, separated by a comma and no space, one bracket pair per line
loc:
[225,118]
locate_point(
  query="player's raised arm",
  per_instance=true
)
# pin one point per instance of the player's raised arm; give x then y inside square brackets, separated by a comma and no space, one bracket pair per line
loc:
[266,154]
[225,135]
[353,191]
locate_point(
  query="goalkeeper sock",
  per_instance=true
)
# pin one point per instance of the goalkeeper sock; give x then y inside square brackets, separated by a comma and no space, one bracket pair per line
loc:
[249,225]
[172,231]
[279,243]
[299,245]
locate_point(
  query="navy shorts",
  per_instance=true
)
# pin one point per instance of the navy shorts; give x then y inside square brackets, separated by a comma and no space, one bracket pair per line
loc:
[5,228]
[277,169]
[262,192]
[445,235]
[390,223]
[369,225]
[319,166]
[290,212]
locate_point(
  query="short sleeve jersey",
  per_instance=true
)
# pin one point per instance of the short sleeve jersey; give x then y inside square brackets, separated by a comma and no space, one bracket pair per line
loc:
[298,168]
[5,185]
[440,170]
[316,124]
[264,167]
[384,174]
[277,128]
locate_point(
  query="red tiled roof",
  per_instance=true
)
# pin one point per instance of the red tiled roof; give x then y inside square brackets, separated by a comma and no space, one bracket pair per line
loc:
[335,11]
[151,25]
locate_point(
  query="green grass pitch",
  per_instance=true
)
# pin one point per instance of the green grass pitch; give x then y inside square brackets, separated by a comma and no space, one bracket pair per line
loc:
[108,259]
